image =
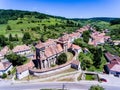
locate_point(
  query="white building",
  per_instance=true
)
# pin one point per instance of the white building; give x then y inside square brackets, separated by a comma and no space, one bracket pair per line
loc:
[23,70]
[23,50]
[5,67]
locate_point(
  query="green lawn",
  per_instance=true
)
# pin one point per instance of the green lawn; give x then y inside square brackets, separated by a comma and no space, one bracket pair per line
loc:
[69,56]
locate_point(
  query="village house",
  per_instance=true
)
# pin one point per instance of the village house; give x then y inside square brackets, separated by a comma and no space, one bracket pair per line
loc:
[23,70]
[113,66]
[5,67]
[76,48]
[98,38]
[23,50]
[75,64]
[113,69]
[84,28]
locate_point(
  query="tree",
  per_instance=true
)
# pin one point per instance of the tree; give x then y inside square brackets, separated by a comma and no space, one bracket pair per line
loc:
[4,75]
[16,37]
[16,59]
[11,46]
[86,61]
[86,35]
[62,59]
[96,87]
[81,43]
[10,37]
[26,38]
[8,27]
[2,40]
[97,57]
[115,21]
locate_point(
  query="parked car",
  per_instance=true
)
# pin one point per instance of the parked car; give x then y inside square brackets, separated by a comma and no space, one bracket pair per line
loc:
[103,80]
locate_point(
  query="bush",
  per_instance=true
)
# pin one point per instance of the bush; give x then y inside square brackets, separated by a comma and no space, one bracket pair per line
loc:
[9,72]
[96,87]
[62,59]
[4,75]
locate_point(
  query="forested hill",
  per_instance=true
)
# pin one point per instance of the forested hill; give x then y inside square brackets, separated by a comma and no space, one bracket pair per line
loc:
[6,15]
[106,19]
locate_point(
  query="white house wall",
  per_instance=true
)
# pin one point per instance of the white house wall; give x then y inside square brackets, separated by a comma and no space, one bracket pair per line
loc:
[6,71]
[23,74]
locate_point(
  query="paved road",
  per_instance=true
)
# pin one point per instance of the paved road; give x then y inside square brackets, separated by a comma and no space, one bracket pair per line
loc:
[39,85]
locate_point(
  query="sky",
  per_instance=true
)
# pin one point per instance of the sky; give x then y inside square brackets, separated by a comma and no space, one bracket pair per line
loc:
[67,8]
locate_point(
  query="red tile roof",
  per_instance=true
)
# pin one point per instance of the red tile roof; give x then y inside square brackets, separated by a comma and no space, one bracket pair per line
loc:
[114,67]
[114,61]
[4,51]
[39,45]
[75,46]
[98,37]
[21,48]
[4,65]
[51,50]
[76,62]
[110,57]
[59,47]
[25,67]
[110,65]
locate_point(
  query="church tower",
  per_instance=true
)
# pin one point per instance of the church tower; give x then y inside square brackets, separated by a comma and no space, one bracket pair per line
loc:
[40,52]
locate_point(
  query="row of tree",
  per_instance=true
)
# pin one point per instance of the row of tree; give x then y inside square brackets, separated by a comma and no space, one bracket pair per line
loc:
[26,39]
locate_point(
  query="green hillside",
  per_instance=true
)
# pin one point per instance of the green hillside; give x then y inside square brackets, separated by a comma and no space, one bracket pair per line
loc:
[14,24]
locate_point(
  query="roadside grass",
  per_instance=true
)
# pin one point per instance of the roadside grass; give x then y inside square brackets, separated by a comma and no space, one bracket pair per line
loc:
[79,77]
[13,70]
[91,77]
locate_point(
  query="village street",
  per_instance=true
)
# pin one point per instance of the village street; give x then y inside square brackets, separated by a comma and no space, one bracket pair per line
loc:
[82,85]
[111,84]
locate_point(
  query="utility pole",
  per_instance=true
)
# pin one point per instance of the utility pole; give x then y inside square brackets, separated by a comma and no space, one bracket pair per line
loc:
[63,86]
